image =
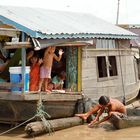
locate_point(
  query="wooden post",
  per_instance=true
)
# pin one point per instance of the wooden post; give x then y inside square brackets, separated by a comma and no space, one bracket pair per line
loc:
[23,63]
[79,69]
[118,10]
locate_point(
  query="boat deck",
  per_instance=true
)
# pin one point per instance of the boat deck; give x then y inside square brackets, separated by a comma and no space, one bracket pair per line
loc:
[45,97]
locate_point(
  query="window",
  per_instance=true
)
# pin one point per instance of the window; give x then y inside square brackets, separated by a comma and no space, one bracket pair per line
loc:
[107,66]
[102,69]
[113,66]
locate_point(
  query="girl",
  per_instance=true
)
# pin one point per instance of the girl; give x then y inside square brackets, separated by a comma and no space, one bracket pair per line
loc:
[34,72]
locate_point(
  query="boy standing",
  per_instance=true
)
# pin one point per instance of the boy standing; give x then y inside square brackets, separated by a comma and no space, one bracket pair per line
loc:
[45,70]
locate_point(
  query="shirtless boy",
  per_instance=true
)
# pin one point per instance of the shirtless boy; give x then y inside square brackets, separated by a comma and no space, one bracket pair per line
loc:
[112,105]
[45,70]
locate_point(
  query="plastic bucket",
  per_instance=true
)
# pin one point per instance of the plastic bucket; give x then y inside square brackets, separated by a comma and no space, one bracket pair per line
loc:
[16,77]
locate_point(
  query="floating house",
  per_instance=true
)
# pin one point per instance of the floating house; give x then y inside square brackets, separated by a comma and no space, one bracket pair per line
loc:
[98,59]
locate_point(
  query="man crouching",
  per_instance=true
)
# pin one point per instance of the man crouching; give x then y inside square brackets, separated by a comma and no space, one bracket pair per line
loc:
[113,106]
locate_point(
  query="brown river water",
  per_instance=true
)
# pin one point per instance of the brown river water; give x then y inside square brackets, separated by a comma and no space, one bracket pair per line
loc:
[81,132]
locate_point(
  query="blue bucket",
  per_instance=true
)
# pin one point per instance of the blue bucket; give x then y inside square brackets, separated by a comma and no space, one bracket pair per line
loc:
[16,77]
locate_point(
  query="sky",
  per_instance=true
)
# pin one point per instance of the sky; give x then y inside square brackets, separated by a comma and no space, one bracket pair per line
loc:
[129,12]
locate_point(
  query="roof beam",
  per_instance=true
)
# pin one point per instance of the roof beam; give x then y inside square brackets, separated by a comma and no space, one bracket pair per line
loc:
[9,32]
[15,45]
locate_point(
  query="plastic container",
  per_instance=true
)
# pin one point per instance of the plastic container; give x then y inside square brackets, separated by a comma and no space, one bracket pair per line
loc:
[16,77]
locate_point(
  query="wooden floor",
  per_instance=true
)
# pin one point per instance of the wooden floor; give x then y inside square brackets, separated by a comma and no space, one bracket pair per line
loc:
[43,95]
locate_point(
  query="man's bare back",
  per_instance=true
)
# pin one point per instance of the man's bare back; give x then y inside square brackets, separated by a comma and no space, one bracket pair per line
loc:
[48,60]
[116,106]
[50,55]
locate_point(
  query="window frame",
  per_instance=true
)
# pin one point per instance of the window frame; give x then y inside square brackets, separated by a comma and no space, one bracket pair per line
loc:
[107,68]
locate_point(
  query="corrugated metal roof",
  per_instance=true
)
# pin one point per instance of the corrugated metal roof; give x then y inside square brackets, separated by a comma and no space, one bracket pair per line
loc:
[42,23]
[135,28]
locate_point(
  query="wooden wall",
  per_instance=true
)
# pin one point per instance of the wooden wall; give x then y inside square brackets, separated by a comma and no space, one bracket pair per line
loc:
[115,86]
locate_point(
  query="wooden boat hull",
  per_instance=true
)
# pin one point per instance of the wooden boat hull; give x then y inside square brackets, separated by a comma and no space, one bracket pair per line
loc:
[23,107]
[133,119]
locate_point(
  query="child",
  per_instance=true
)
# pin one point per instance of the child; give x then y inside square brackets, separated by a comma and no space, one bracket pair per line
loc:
[50,87]
[45,70]
[34,72]
[29,54]
[58,80]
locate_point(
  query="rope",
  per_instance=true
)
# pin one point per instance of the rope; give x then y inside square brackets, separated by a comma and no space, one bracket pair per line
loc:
[47,125]
[41,114]
[7,131]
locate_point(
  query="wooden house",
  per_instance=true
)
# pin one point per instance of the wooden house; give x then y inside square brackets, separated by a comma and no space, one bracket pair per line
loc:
[98,58]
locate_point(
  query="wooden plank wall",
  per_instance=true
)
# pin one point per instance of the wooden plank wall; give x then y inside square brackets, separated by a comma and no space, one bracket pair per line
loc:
[94,87]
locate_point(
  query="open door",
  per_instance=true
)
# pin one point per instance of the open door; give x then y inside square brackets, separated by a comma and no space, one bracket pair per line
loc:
[70,63]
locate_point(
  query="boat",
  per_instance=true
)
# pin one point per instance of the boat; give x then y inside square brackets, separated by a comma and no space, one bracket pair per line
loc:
[18,107]
[132,119]
[96,59]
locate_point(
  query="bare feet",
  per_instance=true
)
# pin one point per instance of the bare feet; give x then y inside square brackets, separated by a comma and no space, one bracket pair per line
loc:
[83,116]
[48,91]
[39,90]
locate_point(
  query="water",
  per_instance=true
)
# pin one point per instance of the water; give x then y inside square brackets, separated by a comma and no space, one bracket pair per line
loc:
[105,132]
[82,132]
